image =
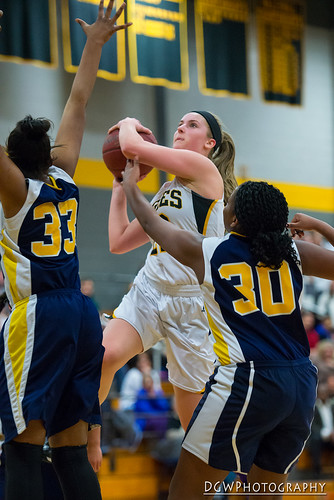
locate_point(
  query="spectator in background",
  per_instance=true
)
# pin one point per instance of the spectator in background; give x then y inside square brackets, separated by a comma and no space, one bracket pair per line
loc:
[151,408]
[330,385]
[167,450]
[322,429]
[323,358]
[309,320]
[88,288]
[324,327]
[133,380]
[325,304]
[314,287]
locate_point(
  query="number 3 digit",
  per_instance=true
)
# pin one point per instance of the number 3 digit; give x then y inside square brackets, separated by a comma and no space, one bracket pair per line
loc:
[52,231]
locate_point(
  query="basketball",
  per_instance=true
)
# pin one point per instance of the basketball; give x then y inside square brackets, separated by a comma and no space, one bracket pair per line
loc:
[114,158]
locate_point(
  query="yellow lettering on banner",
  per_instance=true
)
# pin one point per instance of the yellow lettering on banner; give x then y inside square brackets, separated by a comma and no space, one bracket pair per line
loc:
[93,2]
[157,2]
[154,2]
[145,11]
[155,29]
[280,24]
[215,11]
[165,26]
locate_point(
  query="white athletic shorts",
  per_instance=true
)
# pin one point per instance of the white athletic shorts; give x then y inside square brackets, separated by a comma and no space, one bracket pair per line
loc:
[177,315]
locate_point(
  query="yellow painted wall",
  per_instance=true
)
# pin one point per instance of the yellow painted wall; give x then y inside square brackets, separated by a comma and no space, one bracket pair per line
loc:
[94,174]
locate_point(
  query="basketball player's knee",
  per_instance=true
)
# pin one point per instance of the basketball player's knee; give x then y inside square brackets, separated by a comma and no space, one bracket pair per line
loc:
[114,357]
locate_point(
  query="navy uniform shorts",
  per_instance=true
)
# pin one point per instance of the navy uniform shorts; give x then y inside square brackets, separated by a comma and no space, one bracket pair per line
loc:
[50,362]
[254,412]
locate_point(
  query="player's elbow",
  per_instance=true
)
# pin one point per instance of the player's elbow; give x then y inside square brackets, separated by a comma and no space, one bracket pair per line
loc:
[115,248]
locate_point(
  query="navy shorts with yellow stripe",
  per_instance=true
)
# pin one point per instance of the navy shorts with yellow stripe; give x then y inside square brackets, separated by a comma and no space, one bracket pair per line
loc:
[254,412]
[50,362]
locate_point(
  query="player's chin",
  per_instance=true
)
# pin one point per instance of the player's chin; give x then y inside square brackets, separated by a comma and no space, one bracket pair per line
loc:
[178,144]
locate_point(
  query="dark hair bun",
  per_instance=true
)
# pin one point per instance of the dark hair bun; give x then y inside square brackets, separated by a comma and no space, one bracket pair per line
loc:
[34,128]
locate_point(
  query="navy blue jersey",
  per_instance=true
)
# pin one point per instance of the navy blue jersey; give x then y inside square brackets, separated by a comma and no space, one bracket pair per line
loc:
[253,310]
[38,245]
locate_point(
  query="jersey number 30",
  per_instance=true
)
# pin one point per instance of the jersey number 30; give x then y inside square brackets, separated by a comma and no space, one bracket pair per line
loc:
[248,304]
[52,231]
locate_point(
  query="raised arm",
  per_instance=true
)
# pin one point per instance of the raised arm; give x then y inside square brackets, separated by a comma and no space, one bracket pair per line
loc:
[13,189]
[196,170]
[123,234]
[315,260]
[303,222]
[72,124]
[185,246]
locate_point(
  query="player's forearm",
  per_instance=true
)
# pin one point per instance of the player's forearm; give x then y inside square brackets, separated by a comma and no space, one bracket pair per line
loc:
[143,210]
[85,77]
[325,230]
[129,140]
[184,246]
[118,220]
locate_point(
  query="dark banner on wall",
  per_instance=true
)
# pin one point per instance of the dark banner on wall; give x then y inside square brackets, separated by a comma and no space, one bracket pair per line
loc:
[221,46]
[29,32]
[280,25]
[112,64]
[158,46]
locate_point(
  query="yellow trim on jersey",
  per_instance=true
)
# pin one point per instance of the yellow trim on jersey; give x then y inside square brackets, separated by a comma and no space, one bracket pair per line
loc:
[238,234]
[53,183]
[10,266]
[206,222]
[17,342]
[220,346]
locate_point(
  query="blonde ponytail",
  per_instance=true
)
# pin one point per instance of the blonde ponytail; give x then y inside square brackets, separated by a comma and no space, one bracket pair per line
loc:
[223,158]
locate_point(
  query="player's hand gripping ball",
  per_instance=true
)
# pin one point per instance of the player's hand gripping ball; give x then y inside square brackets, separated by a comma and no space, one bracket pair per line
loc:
[114,158]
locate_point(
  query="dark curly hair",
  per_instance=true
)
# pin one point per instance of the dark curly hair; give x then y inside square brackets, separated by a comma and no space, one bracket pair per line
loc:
[262,212]
[28,145]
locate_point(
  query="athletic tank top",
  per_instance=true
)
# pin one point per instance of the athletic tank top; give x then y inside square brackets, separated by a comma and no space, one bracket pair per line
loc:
[38,245]
[188,210]
[253,311]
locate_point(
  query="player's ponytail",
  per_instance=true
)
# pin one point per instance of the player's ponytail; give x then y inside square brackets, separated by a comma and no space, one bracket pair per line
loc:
[262,212]
[223,157]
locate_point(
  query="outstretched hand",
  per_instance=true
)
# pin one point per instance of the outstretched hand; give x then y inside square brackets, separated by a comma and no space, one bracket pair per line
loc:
[131,174]
[104,26]
[301,223]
